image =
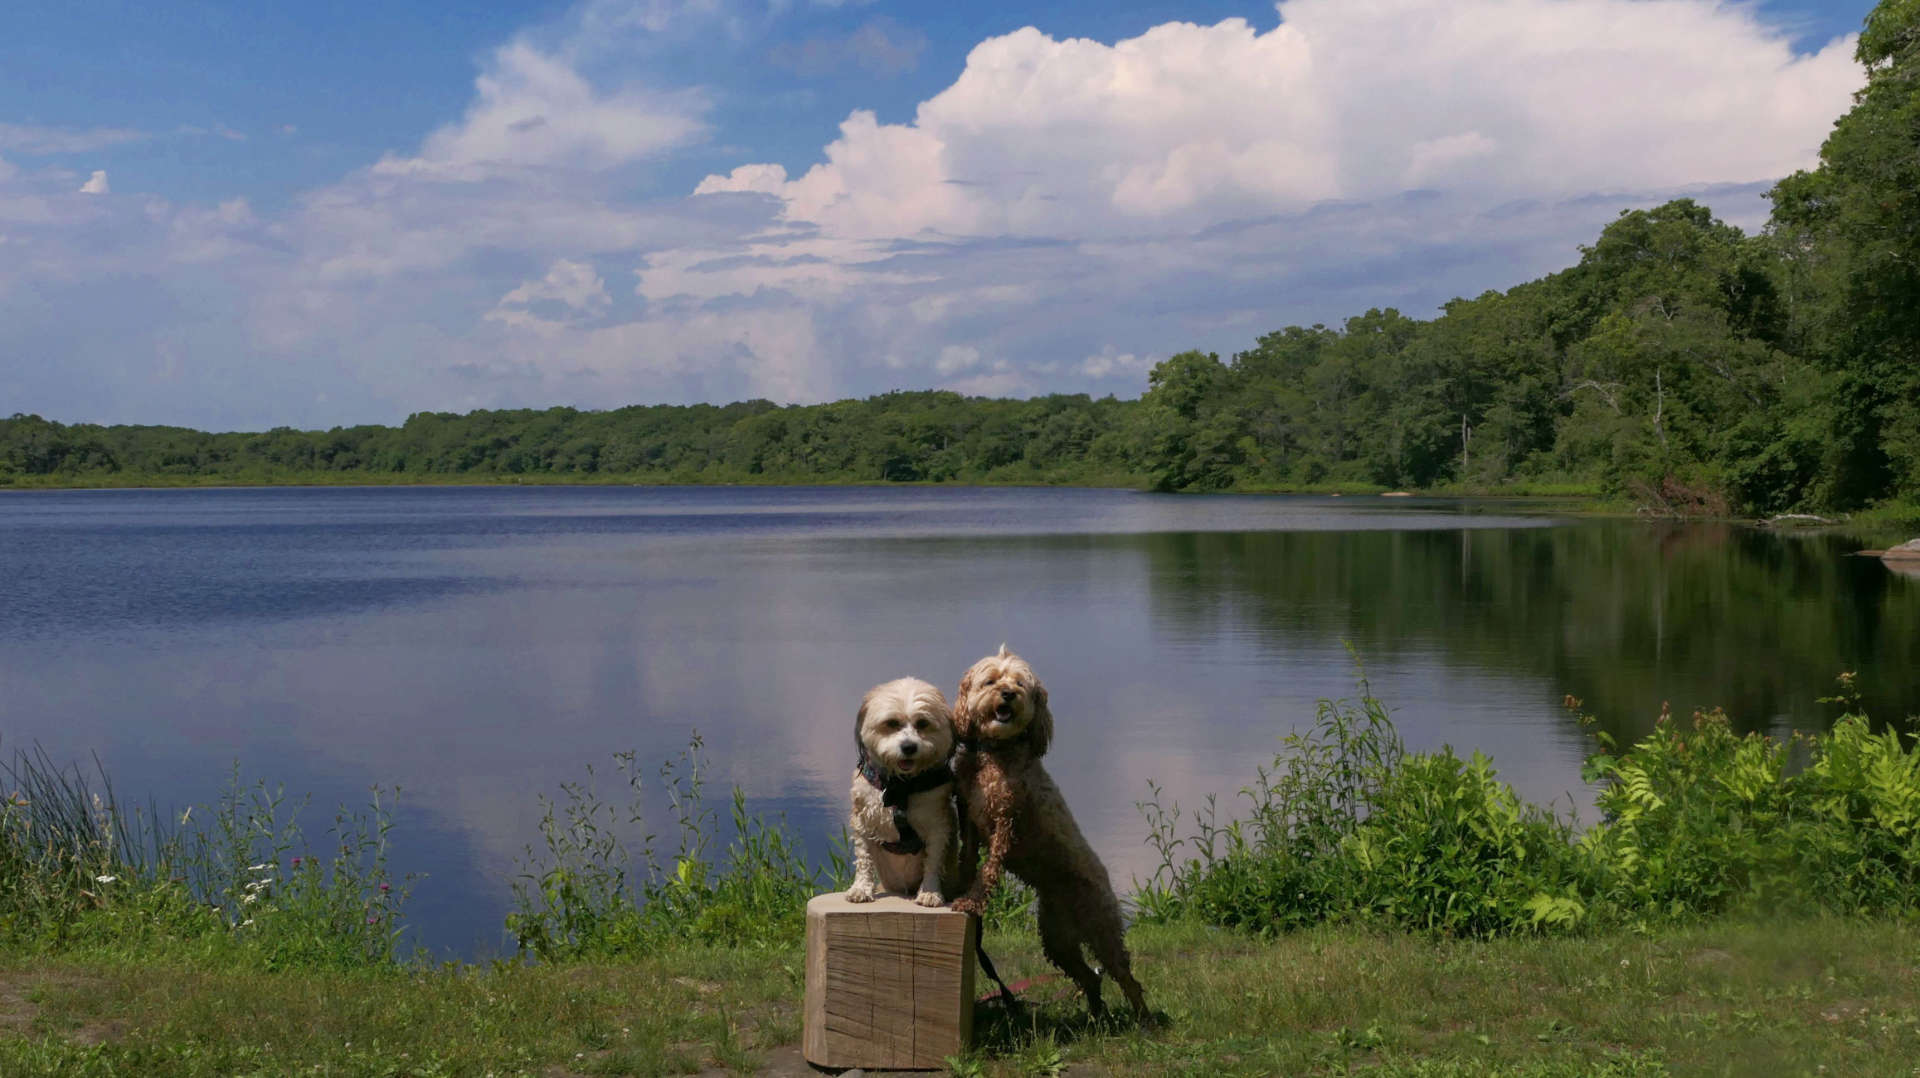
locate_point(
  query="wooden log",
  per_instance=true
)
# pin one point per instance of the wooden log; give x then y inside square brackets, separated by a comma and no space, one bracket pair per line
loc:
[889,983]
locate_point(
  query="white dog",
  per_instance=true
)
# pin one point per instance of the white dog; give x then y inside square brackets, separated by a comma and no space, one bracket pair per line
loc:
[903,815]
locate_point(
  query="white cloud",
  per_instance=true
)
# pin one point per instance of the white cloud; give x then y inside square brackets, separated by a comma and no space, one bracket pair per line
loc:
[955,358]
[1108,362]
[1058,218]
[532,110]
[1344,99]
[34,140]
[96,184]
[762,179]
[570,290]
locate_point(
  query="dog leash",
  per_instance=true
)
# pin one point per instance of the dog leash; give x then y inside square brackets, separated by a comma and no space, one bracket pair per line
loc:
[1011,1001]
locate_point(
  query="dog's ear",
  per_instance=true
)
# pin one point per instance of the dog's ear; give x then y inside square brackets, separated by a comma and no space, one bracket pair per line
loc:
[962,714]
[1040,730]
[859,724]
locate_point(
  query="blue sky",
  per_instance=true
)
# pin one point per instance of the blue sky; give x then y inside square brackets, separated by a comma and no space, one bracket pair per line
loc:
[242,215]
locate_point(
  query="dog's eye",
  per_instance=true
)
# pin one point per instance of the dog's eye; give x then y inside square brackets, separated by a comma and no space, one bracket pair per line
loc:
[989,681]
[921,724]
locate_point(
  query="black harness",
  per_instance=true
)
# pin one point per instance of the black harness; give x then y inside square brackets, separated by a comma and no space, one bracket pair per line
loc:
[894,792]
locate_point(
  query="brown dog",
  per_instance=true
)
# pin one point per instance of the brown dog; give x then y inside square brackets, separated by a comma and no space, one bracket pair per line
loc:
[1008,799]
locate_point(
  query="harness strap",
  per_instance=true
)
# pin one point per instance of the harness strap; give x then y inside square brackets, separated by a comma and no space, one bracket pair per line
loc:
[894,792]
[986,966]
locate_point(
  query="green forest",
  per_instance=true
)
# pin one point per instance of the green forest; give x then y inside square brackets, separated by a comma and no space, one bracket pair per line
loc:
[1680,366]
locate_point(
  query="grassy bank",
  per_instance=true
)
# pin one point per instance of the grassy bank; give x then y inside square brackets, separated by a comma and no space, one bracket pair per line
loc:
[1746,906]
[1806,997]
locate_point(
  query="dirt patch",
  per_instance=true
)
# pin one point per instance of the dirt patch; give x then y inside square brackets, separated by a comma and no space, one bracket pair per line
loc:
[17,1012]
[20,1016]
[1708,957]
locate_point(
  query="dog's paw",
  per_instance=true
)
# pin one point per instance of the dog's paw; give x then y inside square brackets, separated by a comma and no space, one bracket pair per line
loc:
[971,906]
[860,892]
[929,898]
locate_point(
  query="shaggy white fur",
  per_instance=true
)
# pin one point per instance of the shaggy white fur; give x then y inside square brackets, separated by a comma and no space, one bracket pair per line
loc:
[906,729]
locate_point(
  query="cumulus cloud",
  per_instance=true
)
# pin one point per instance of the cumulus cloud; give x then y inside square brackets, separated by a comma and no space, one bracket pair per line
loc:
[569,291]
[96,184]
[1343,99]
[1060,217]
[532,110]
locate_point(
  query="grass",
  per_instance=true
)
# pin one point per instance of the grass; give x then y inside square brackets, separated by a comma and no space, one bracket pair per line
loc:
[1802,997]
[1745,907]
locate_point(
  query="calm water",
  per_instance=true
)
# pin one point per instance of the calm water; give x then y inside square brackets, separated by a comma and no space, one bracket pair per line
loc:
[480,646]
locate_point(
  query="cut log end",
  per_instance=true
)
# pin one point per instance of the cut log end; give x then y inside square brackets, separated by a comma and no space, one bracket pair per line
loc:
[889,983]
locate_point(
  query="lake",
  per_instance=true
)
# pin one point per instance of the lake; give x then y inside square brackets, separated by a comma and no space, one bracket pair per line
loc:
[479,646]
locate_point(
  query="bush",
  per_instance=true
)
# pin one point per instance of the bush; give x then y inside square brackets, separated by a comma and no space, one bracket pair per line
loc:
[1345,825]
[1700,820]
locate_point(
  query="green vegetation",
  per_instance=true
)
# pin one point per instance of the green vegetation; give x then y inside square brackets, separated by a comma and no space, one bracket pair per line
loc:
[1680,366]
[235,880]
[1784,998]
[1401,913]
[1697,821]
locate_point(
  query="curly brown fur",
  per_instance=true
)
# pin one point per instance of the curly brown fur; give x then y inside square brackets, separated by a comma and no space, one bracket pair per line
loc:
[1011,802]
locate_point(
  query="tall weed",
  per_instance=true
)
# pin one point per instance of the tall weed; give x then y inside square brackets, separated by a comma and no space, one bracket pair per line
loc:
[587,894]
[78,869]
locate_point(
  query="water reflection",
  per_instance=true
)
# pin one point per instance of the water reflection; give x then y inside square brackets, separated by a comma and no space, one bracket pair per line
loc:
[480,646]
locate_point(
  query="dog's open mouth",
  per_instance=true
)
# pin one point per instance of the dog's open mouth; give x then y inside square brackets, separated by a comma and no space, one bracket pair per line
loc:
[1003,714]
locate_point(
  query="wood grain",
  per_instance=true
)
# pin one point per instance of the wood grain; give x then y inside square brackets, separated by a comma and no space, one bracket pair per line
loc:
[889,983]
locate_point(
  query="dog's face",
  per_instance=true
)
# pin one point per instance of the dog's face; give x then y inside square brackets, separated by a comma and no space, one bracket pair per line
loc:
[905,725]
[1001,700]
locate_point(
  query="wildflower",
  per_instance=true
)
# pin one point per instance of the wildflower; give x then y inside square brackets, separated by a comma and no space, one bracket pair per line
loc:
[372,920]
[261,867]
[185,816]
[105,879]
[247,899]
[246,922]
[296,862]
[385,887]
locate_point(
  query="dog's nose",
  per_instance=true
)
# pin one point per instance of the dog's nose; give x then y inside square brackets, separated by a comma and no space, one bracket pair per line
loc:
[1008,695]
[909,748]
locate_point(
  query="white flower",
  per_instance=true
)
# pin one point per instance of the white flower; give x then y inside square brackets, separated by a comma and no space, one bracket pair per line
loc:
[261,867]
[246,922]
[105,879]
[247,899]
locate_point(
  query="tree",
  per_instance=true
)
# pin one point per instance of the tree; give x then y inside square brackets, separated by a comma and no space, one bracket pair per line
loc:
[1851,232]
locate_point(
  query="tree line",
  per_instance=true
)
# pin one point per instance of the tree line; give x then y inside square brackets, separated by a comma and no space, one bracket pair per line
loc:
[1679,363]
